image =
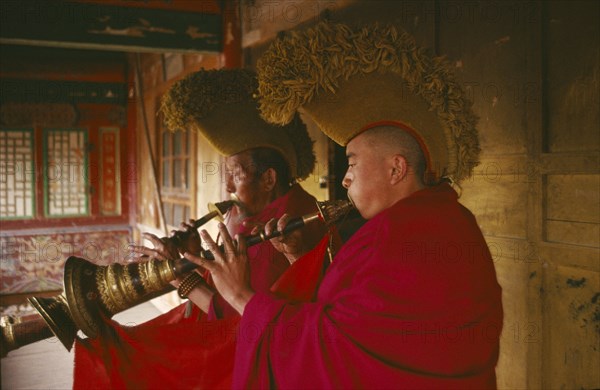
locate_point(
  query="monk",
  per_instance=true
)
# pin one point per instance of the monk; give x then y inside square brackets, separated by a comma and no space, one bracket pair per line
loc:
[263,164]
[411,300]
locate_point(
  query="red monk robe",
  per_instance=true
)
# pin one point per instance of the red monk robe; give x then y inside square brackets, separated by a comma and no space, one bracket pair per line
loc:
[410,301]
[266,263]
[172,351]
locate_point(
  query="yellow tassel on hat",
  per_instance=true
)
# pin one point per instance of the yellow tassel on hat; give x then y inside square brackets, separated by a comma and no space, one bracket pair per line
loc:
[220,104]
[346,80]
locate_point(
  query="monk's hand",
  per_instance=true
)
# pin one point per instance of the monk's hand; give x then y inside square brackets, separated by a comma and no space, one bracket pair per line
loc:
[201,295]
[164,249]
[188,239]
[291,244]
[229,270]
[256,226]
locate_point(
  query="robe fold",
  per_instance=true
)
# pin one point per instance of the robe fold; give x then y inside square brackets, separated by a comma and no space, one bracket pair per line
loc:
[197,352]
[266,263]
[410,301]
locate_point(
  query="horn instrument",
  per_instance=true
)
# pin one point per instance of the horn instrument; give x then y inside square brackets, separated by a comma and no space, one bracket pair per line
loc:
[95,292]
[16,333]
[113,289]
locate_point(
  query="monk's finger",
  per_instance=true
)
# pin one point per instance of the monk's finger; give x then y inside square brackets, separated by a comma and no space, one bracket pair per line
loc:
[186,225]
[229,244]
[241,243]
[153,239]
[202,262]
[212,245]
[137,251]
[144,251]
[141,250]
[270,226]
[283,221]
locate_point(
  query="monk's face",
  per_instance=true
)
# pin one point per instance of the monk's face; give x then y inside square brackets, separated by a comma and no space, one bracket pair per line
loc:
[367,177]
[243,181]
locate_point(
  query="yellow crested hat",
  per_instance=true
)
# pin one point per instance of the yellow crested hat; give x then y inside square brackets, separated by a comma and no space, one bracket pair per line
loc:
[220,105]
[350,80]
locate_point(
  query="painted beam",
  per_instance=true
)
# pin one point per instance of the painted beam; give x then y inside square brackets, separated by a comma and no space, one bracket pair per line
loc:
[107,27]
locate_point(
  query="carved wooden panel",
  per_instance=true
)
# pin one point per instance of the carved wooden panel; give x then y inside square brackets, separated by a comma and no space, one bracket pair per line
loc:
[34,261]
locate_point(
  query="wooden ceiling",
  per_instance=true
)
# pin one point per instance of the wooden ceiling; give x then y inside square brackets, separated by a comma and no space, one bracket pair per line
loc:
[115,25]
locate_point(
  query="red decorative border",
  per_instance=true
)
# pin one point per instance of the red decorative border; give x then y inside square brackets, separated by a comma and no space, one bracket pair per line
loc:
[110,186]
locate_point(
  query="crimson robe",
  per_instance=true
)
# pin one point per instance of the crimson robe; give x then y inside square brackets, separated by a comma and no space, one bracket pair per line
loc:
[265,262]
[410,301]
[175,351]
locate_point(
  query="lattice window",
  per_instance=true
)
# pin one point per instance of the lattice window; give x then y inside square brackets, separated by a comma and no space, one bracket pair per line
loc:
[176,162]
[176,175]
[66,180]
[17,196]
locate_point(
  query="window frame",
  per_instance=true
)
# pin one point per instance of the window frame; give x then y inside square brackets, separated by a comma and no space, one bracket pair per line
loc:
[31,174]
[92,163]
[171,195]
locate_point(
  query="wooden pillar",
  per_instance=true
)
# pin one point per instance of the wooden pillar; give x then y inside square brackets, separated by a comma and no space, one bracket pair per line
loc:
[232,35]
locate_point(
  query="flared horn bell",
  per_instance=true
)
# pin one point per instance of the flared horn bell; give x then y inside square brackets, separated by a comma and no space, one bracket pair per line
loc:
[55,312]
[331,211]
[95,292]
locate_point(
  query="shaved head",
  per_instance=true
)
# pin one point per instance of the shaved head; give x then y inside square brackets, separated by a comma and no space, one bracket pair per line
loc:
[388,141]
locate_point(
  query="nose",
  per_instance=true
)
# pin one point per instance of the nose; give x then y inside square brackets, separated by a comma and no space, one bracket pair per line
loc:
[229,187]
[346,182]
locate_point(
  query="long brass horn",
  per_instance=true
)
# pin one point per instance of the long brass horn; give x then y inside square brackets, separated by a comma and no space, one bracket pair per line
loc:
[55,312]
[53,319]
[95,292]
[15,333]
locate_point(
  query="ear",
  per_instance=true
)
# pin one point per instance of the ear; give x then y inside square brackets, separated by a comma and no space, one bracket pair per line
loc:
[269,179]
[399,169]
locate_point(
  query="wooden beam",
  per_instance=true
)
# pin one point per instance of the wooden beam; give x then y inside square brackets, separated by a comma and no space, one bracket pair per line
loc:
[108,27]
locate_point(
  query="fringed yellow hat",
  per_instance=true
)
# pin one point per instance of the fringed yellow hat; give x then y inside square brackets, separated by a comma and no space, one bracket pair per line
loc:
[220,104]
[349,81]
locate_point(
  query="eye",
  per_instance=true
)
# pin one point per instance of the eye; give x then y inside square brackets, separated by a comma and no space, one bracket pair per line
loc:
[351,165]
